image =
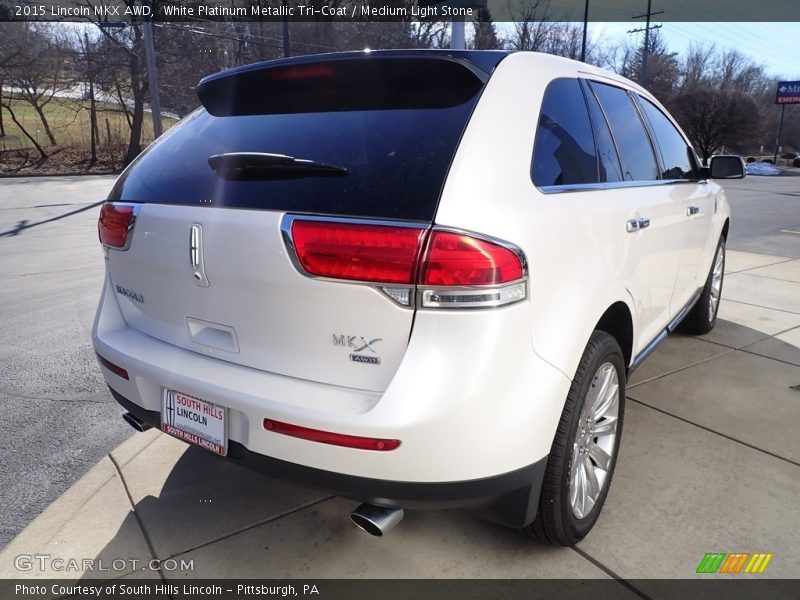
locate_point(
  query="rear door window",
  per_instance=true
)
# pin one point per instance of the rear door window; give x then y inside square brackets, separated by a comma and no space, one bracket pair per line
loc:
[564,151]
[675,153]
[608,158]
[636,152]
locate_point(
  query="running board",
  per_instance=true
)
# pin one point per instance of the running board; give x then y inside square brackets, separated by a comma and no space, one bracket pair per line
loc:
[664,333]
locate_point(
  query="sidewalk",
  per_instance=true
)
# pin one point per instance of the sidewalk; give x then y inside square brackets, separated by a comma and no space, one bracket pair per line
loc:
[709,463]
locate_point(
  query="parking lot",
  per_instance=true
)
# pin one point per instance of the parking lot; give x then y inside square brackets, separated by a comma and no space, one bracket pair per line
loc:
[709,460]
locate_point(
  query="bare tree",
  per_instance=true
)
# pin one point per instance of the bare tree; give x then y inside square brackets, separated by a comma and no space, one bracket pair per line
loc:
[37,73]
[712,117]
[532,24]
[124,57]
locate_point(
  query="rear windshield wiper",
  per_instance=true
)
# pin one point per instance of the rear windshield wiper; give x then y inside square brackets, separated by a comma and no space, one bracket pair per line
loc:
[264,165]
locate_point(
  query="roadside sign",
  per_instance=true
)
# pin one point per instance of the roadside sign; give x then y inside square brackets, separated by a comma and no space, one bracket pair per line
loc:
[788,92]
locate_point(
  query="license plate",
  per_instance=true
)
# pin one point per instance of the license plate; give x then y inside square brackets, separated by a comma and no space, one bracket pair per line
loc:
[195,421]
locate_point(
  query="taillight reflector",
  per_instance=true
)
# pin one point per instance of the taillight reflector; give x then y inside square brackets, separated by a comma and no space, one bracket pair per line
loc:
[327,437]
[112,367]
[114,224]
[373,253]
[456,259]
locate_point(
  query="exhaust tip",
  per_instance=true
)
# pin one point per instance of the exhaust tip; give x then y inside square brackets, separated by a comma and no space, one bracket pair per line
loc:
[376,520]
[135,422]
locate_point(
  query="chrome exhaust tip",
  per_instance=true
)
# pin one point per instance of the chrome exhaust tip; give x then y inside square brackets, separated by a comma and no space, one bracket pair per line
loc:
[135,422]
[376,520]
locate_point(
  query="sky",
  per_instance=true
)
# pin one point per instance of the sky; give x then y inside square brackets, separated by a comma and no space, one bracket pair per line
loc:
[776,46]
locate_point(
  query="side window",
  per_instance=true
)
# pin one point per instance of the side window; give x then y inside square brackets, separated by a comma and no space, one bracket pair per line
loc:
[564,150]
[674,151]
[610,169]
[636,153]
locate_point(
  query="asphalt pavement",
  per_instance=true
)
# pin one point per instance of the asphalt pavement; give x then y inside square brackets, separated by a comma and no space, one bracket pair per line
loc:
[766,214]
[56,414]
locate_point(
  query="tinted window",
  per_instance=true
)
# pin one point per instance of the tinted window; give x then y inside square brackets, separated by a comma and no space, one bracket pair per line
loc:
[638,162]
[396,147]
[674,151]
[564,148]
[610,169]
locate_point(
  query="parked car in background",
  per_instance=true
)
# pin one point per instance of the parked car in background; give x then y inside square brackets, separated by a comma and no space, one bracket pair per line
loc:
[418,279]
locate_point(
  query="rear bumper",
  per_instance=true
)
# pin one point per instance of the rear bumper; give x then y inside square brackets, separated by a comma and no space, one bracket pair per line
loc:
[510,499]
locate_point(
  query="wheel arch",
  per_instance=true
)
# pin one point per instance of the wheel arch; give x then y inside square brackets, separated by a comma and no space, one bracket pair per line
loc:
[725,228]
[618,322]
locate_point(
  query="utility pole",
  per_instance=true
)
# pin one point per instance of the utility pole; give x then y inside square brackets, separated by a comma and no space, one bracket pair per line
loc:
[585,28]
[778,136]
[457,38]
[152,77]
[646,29]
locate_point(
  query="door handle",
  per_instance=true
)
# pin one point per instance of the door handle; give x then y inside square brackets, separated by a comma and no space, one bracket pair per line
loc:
[637,224]
[692,210]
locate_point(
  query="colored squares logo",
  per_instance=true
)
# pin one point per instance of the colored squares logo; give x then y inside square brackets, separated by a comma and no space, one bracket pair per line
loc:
[735,562]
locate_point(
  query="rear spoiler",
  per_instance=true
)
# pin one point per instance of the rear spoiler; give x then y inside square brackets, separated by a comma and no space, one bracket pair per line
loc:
[382,80]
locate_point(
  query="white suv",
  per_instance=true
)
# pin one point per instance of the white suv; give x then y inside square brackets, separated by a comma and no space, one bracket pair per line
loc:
[414,278]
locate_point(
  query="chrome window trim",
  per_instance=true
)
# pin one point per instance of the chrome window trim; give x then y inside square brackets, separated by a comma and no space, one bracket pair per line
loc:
[589,187]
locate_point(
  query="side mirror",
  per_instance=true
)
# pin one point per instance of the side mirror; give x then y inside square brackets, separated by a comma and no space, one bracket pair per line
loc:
[726,167]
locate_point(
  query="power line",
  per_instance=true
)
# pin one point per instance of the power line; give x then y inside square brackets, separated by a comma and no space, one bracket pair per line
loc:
[646,29]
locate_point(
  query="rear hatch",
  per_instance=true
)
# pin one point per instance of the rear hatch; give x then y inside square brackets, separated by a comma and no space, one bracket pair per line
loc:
[352,137]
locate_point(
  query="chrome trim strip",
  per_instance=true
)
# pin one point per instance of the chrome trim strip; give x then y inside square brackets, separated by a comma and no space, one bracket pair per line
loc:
[664,333]
[673,324]
[426,295]
[612,185]
[648,350]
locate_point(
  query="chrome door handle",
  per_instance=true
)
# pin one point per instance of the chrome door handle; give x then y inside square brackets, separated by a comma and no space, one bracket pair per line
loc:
[692,210]
[637,224]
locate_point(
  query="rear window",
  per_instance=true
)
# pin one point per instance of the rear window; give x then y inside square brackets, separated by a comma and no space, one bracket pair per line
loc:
[393,124]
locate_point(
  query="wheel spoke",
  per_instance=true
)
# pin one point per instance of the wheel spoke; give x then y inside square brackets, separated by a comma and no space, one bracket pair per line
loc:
[608,426]
[581,490]
[606,373]
[573,480]
[593,487]
[599,456]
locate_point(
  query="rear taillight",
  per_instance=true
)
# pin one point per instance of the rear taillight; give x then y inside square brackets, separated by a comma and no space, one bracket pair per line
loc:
[370,253]
[461,259]
[115,225]
[443,268]
[461,270]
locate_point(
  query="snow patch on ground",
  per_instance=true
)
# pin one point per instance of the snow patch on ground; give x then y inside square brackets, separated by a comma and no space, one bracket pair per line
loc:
[757,168]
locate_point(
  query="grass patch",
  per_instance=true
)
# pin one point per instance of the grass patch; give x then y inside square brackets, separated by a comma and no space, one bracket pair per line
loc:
[69,122]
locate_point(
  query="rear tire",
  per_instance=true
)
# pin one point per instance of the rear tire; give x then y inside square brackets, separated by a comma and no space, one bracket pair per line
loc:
[584,452]
[703,316]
